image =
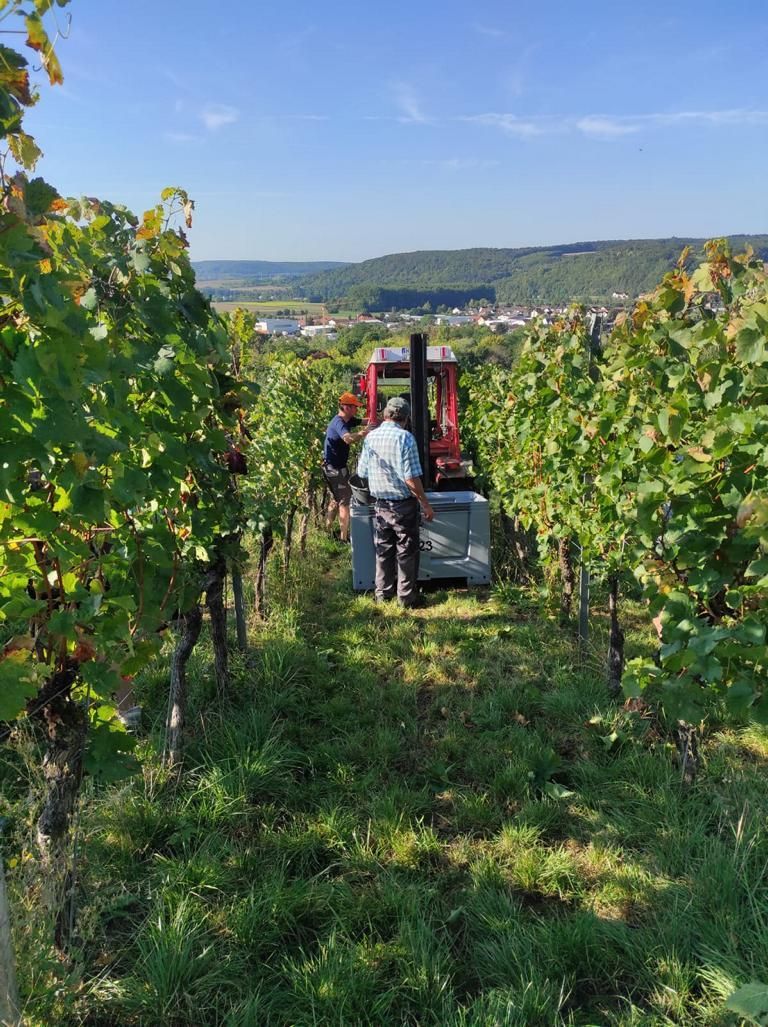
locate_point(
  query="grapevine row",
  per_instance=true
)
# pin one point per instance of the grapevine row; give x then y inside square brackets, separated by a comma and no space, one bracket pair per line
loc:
[648,455]
[125,408]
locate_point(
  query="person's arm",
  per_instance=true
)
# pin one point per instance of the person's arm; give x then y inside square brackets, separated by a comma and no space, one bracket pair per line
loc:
[416,489]
[362,463]
[413,475]
[356,433]
[350,437]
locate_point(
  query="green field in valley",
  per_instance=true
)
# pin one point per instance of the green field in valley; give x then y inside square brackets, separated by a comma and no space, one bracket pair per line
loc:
[269,308]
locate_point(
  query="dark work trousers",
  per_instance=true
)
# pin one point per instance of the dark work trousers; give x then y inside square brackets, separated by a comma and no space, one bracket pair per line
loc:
[396,539]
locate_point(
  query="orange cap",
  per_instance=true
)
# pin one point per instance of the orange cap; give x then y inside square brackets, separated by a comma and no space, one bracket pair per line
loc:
[348,398]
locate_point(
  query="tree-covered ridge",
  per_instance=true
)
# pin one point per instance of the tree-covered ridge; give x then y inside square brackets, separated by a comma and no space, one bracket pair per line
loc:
[585,271]
[213,270]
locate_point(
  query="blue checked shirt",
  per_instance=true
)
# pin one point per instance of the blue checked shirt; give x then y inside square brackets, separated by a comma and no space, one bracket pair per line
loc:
[389,456]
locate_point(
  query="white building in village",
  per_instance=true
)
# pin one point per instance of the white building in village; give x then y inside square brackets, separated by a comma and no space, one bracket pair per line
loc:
[277,326]
[325,331]
[452,320]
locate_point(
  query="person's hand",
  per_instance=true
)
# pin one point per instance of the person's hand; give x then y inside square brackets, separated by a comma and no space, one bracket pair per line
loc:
[426,510]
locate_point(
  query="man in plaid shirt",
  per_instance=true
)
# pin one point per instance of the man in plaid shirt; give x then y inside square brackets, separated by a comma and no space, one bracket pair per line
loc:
[390,462]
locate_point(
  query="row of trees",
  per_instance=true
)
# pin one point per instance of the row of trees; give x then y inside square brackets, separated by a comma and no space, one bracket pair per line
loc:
[648,456]
[373,297]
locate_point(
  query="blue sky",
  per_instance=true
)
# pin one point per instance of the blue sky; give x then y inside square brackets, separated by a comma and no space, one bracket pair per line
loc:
[343,131]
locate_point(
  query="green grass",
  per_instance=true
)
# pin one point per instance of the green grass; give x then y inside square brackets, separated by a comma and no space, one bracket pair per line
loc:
[267,308]
[430,818]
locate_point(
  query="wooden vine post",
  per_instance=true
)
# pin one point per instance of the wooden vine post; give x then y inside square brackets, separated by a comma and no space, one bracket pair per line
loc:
[239,600]
[217,614]
[9,995]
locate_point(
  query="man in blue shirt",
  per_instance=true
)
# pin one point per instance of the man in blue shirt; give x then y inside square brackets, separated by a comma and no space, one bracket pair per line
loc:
[390,462]
[338,438]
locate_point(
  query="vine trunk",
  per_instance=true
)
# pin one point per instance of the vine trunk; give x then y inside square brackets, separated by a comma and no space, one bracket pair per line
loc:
[567,577]
[189,625]
[615,638]
[265,547]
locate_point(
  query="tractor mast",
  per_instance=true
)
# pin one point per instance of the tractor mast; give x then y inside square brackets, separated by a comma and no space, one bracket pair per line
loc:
[419,405]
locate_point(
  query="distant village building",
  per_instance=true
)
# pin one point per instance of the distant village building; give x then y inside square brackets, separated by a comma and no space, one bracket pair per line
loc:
[310,331]
[452,320]
[277,326]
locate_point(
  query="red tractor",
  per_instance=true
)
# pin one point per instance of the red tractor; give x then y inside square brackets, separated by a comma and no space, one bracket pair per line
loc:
[427,376]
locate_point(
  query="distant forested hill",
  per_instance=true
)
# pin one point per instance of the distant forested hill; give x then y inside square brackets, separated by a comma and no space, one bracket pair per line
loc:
[587,271]
[217,270]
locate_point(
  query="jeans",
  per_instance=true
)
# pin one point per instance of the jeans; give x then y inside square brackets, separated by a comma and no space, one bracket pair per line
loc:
[396,540]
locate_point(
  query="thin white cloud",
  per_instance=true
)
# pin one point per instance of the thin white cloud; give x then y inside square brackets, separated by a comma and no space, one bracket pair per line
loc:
[614,126]
[512,81]
[253,193]
[215,115]
[462,163]
[605,128]
[491,31]
[182,137]
[406,99]
[174,79]
[514,74]
[273,118]
[67,93]
[737,116]
[513,125]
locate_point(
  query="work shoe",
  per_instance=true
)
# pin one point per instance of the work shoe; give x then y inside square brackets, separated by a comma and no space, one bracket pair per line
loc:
[383,599]
[418,603]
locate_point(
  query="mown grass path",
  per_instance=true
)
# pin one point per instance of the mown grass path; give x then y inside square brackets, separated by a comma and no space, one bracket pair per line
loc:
[427,818]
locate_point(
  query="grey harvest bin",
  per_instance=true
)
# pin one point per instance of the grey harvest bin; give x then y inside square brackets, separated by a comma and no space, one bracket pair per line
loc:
[456,544]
